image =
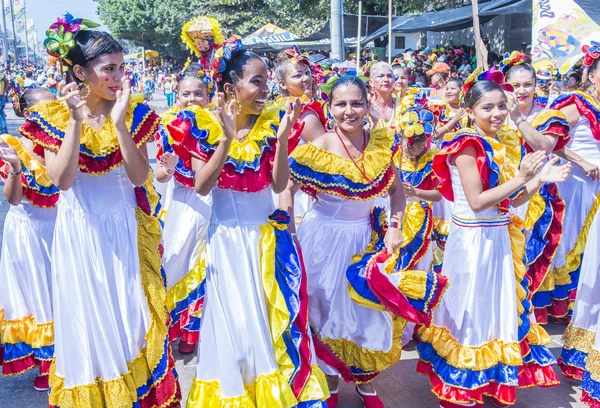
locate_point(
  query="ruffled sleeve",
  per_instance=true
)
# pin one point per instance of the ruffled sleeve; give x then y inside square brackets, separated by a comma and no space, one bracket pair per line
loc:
[319,170]
[552,123]
[421,176]
[308,106]
[183,169]
[488,169]
[586,106]
[99,150]
[249,164]
[37,186]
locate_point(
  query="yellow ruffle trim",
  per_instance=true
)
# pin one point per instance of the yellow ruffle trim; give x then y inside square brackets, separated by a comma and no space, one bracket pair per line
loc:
[369,360]
[538,336]
[270,391]
[547,115]
[100,142]
[249,149]
[517,244]
[471,357]
[189,282]
[592,364]
[26,330]
[169,115]
[376,158]
[536,208]
[508,151]
[122,392]
[579,339]
[32,164]
[409,165]
[560,276]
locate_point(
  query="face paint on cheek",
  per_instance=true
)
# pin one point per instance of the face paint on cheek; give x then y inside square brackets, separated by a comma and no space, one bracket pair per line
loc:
[105,79]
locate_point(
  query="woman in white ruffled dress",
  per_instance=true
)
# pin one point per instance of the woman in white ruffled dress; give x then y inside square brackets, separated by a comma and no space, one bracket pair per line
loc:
[111,343]
[255,349]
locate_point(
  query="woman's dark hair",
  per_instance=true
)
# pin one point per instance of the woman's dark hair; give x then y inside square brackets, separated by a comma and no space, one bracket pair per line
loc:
[234,68]
[192,73]
[29,98]
[478,90]
[89,45]
[595,65]
[458,81]
[519,68]
[348,80]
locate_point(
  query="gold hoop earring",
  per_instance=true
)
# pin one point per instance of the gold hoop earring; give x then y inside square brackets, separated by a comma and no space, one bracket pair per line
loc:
[83,87]
[239,106]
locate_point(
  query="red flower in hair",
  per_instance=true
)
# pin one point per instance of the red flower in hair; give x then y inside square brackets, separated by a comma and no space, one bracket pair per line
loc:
[592,52]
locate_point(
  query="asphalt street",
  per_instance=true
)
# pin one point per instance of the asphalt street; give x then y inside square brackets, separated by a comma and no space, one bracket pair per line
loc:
[398,387]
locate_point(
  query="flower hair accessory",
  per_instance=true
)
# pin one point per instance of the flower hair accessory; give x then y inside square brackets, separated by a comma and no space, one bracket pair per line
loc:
[417,122]
[592,52]
[60,37]
[223,54]
[510,60]
[491,74]
[295,56]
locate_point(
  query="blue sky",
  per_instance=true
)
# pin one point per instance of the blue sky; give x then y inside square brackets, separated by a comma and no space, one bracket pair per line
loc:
[45,12]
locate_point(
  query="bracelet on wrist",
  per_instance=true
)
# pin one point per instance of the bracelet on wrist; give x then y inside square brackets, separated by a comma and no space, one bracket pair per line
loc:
[395,225]
[520,120]
[169,172]
[13,173]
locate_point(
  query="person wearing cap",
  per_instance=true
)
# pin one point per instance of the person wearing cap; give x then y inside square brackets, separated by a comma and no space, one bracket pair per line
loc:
[438,76]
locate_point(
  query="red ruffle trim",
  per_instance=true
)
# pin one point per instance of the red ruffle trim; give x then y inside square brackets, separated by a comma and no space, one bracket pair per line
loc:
[249,181]
[503,393]
[559,309]
[89,164]
[568,371]
[179,329]
[166,393]
[588,400]
[534,375]
[329,357]
[40,200]
[539,269]
[582,107]
[21,365]
[393,300]
[442,169]
[343,192]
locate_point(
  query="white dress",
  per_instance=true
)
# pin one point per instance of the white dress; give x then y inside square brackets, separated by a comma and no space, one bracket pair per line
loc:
[582,202]
[99,303]
[332,232]
[237,359]
[26,321]
[184,235]
[588,289]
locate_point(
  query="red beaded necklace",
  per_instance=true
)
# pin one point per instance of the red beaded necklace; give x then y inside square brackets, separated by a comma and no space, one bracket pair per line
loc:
[360,168]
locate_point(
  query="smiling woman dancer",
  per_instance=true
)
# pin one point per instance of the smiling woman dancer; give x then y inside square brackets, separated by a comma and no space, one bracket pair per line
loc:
[472,349]
[110,320]
[255,349]
[345,170]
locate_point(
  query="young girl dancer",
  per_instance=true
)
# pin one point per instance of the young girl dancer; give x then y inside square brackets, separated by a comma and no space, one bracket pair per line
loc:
[26,321]
[188,215]
[472,349]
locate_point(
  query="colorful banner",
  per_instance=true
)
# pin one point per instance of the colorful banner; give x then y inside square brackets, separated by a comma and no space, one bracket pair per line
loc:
[560,29]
